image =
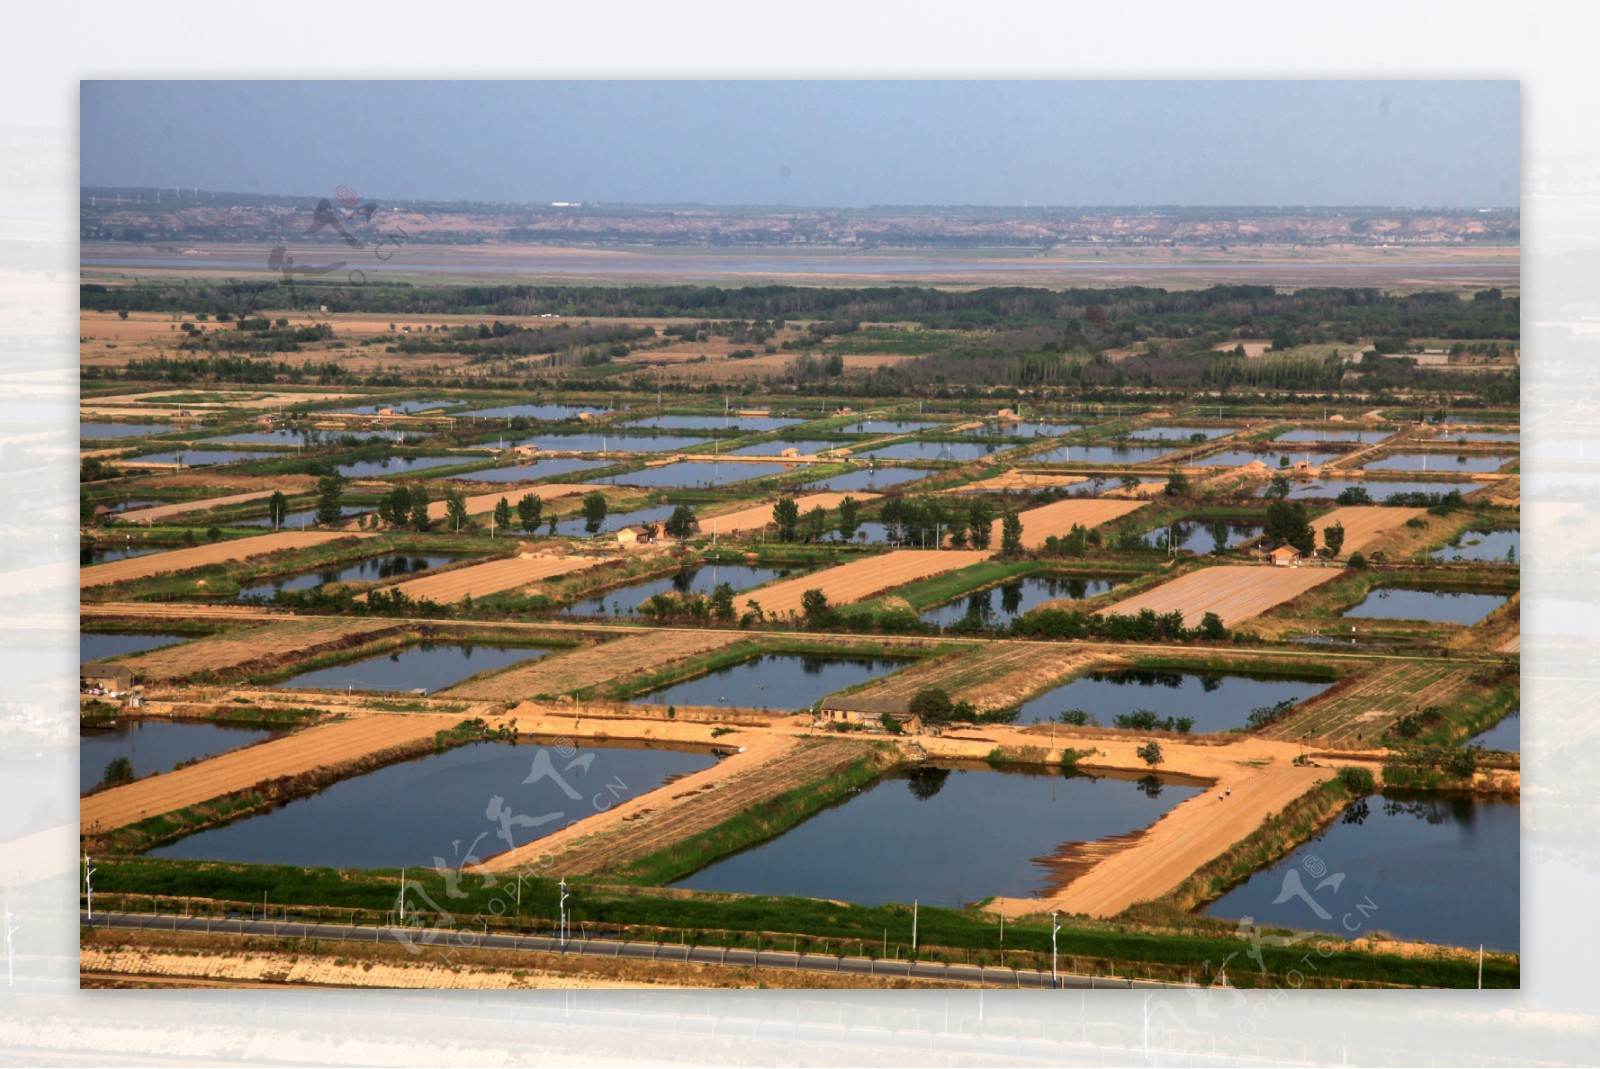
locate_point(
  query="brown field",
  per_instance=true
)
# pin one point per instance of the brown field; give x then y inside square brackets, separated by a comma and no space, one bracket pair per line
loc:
[1364,524]
[1058,517]
[594,665]
[161,512]
[756,517]
[481,503]
[1512,645]
[1359,709]
[1021,480]
[491,577]
[994,675]
[120,571]
[1234,592]
[770,765]
[259,648]
[862,579]
[314,747]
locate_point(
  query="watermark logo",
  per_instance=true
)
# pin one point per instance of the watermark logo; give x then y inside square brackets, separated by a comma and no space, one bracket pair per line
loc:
[351,220]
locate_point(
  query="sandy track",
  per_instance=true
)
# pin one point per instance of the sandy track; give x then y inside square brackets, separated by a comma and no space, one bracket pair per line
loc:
[756,517]
[261,647]
[120,571]
[1149,865]
[481,503]
[161,512]
[1234,592]
[862,579]
[303,751]
[770,765]
[491,577]
[992,676]
[1058,517]
[1363,524]
[594,665]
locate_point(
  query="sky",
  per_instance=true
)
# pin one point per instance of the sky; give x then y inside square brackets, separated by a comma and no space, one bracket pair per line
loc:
[1441,144]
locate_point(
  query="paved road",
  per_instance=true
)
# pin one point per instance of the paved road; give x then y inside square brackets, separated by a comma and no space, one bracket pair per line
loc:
[610,948]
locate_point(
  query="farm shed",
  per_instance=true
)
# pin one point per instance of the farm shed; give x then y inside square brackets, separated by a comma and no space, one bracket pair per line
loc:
[853,710]
[1285,555]
[111,677]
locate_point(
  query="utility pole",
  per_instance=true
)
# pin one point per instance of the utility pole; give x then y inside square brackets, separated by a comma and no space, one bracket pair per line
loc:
[1055,926]
[563,914]
[1480,958]
[913,929]
[402,896]
[11,974]
[88,887]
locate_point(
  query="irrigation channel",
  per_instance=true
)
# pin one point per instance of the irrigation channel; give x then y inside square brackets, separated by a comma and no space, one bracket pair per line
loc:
[1432,867]
[446,810]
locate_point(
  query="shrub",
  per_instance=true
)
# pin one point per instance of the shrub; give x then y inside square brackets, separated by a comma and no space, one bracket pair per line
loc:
[1358,781]
[1150,753]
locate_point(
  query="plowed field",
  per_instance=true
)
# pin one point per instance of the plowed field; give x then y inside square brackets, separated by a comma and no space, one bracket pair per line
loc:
[991,676]
[758,516]
[593,665]
[161,512]
[315,747]
[1363,524]
[862,579]
[1367,704]
[1058,517]
[492,577]
[257,648]
[1233,592]
[481,503]
[119,571]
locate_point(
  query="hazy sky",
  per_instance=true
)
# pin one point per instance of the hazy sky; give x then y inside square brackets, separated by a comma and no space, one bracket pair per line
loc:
[1442,144]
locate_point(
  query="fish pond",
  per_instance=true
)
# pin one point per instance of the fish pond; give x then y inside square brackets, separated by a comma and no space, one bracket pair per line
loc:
[998,606]
[99,645]
[1439,462]
[156,745]
[106,431]
[1196,536]
[1181,434]
[1215,702]
[443,810]
[1312,435]
[1377,489]
[1023,429]
[1506,735]
[806,446]
[1103,454]
[427,667]
[938,450]
[1435,867]
[613,443]
[371,570]
[1501,547]
[714,423]
[687,473]
[103,554]
[702,580]
[361,469]
[545,412]
[868,479]
[544,468]
[203,458]
[1435,606]
[774,681]
[1237,457]
[944,835]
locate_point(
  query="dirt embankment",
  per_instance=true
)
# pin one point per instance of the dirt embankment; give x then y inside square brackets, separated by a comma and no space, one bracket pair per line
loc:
[177,560]
[319,747]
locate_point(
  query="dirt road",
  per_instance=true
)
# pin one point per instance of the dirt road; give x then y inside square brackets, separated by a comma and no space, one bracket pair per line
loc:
[312,748]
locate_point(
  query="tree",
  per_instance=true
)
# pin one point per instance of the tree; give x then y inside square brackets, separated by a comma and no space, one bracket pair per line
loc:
[1333,538]
[891,726]
[418,510]
[932,704]
[816,523]
[786,514]
[502,514]
[722,601]
[330,495]
[1211,627]
[1011,535]
[682,523]
[455,509]
[1357,561]
[1219,535]
[1150,753]
[277,509]
[980,520]
[395,507]
[594,511]
[118,770]
[1130,482]
[1177,484]
[1287,524]
[814,603]
[956,521]
[1279,487]
[529,509]
[849,517]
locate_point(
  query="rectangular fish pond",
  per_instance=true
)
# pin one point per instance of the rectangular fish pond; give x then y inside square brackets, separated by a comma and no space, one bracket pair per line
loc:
[157,745]
[427,666]
[1433,867]
[447,809]
[1215,702]
[1435,606]
[545,412]
[714,423]
[1195,536]
[1377,489]
[626,600]
[998,606]
[203,458]
[958,451]
[544,468]
[614,443]
[106,431]
[1499,547]
[866,479]
[1103,454]
[100,645]
[945,835]
[686,474]
[384,466]
[774,681]
[1439,462]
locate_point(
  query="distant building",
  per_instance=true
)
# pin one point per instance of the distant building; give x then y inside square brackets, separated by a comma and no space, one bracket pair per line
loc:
[1285,555]
[97,677]
[791,451]
[632,534]
[849,709]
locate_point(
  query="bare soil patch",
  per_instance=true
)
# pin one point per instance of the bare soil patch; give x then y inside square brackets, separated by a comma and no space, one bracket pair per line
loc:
[161,512]
[864,578]
[593,665]
[756,517]
[491,577]
[1233,592]
[177,560]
